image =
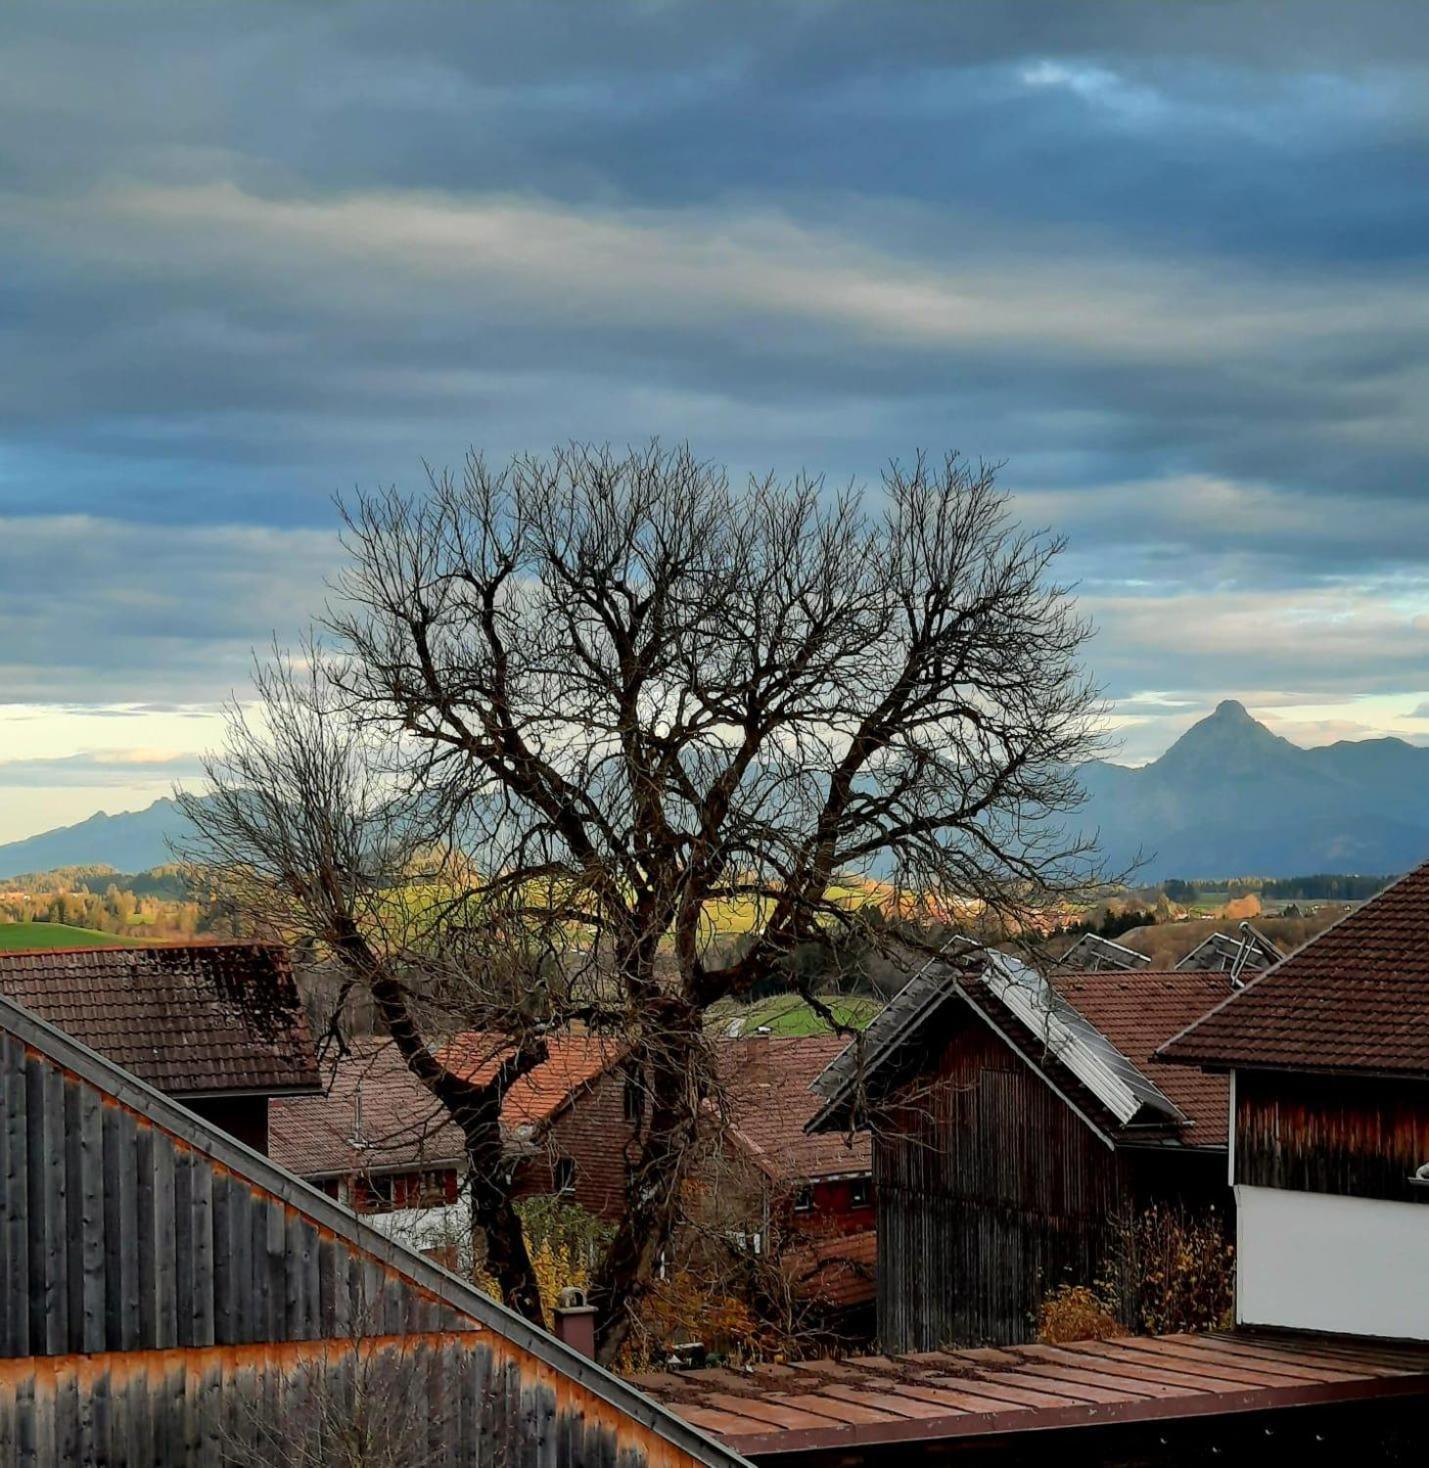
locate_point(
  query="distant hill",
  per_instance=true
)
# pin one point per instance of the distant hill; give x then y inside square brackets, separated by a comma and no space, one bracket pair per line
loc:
[133,841]
[1231,797]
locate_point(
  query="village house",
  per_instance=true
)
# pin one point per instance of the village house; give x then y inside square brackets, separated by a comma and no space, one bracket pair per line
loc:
[1014,1106]
[377,1140]
[803,1201]
[1328,1061]
[1020,1128]
[172,1299]
[218,1026]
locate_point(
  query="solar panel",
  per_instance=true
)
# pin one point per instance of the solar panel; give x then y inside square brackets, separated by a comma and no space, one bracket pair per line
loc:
[1073,1042]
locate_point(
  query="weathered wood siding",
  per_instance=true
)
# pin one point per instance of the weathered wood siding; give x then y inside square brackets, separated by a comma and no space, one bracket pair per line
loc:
[423,1401]
[991,1191]
[171,1301]
[121,1237]
[1329,1134]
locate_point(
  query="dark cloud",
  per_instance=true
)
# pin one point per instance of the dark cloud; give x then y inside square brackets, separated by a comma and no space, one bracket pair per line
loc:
[1166,260]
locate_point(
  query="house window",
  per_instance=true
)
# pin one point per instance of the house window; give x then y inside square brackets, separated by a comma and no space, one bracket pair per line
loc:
[859,1193]
[634,1098]
[804,1200]
[565,1174]
[430,1191]
[381,1191]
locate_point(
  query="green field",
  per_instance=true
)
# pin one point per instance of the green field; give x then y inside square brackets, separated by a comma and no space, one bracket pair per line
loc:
[55,935]
[786,1014]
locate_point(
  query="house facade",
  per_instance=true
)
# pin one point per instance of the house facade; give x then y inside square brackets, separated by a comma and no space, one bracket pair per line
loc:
[804,1202]
[378,1141]
[1020,1128]
[1327,1056]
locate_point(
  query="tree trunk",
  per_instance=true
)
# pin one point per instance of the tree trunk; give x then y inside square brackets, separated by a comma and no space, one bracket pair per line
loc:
[627,1270]
[507,1258]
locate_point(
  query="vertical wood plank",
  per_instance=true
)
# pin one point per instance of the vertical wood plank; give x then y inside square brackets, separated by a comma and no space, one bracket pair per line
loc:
[56,1247]
[201,1269]
[91,1219]
[145,1238]
[164,1244]
[183,1250]
[15,1328]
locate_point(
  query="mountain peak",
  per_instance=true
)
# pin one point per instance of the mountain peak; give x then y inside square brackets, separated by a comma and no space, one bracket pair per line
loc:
[1227,742]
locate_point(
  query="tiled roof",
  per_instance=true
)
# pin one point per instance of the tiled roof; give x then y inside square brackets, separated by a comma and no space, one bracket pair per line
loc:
[883,1408]
[1355,998]
[190,1019]
[765,1088]
[376,1116]
[573,1061]
[1137,1012]
[840,1272]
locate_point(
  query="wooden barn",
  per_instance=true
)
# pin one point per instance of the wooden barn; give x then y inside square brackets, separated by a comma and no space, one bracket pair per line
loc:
[1020,1130]
[218,1026]
[1328,1058]
[171,1298]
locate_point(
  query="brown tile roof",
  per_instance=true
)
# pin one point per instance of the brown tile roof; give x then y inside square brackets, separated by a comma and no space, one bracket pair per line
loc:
[1138,1011]
[1355,998]
[840,1272]
[860,1406]
[765,1081]
[401,1125]
[190,1019]
[573,1062]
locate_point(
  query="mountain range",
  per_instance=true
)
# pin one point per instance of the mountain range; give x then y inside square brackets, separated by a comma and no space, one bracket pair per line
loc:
[131,841]
[1229,798]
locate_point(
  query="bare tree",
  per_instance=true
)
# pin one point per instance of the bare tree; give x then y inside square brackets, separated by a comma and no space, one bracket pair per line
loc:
[571,709]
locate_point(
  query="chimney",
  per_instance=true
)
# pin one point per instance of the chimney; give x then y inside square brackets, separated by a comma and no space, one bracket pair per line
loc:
[575,1321]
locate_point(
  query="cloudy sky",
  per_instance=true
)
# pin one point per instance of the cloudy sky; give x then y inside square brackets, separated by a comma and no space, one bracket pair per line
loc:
[1166,261]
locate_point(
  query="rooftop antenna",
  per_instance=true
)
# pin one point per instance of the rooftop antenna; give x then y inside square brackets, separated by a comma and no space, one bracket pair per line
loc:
[1247,944]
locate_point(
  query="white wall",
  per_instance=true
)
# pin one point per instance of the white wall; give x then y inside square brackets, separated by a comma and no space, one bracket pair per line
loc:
[1313,1261]
[446,1225]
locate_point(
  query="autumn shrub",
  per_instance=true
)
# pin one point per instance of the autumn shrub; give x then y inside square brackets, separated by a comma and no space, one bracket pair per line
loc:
[1074,1312]
[1179,1271]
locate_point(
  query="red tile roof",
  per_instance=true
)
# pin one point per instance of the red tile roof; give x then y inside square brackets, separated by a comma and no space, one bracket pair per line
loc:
[765,1082]
[1138,1011]
[573,1061]
[840,1272]
[376,1116]
[1353,999]
[190,1019]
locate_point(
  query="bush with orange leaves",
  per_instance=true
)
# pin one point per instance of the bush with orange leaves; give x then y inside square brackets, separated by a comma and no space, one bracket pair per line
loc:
[1077,1313]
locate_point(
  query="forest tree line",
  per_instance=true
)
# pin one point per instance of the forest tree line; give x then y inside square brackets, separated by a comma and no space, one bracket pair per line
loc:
[152,904]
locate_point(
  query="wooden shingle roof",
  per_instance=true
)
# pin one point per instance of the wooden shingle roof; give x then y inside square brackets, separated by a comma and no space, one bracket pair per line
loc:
[1355,999]
[192,1019]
